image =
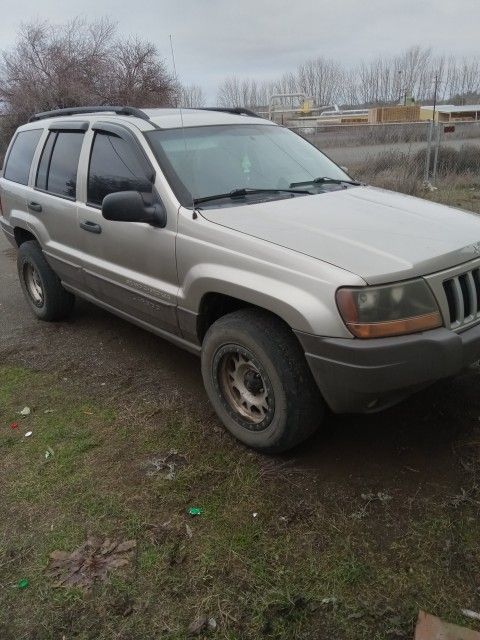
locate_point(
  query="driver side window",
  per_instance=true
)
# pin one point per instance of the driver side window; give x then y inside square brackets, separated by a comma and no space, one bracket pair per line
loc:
[114,167]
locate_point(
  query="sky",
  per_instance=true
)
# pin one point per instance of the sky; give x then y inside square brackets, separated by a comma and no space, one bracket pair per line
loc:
[264,38]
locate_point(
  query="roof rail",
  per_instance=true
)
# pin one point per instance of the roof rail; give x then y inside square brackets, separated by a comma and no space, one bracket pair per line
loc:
[239,111]
[73,111]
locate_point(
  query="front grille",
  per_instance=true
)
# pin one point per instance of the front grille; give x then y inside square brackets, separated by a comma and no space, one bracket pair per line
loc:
[463,298]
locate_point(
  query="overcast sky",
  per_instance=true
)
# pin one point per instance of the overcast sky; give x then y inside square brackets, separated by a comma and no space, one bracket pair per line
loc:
[264,38]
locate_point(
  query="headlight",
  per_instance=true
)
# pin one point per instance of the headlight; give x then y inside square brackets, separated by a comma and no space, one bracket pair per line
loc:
[389,310]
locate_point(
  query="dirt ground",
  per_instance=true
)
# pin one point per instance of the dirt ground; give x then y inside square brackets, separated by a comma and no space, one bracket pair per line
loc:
[422,452]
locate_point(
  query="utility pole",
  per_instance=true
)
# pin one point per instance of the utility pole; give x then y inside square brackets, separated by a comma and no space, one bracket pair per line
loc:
[430,139]
[435,97]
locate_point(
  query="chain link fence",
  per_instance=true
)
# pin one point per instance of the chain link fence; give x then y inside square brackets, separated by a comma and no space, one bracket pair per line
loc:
[406,157]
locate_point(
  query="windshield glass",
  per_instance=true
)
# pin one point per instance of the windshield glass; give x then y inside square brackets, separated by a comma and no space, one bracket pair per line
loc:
[205,161]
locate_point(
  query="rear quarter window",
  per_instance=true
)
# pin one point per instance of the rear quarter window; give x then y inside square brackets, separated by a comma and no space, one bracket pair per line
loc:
[19,160]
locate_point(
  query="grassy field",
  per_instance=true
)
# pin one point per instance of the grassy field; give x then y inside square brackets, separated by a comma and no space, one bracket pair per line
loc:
[314,563]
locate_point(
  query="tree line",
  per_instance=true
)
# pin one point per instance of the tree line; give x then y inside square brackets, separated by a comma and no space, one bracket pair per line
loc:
[89,63]
[383,80]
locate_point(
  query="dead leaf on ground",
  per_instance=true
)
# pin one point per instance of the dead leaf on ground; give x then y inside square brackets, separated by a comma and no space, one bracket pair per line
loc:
[91,561]
[197,626]
[201,624]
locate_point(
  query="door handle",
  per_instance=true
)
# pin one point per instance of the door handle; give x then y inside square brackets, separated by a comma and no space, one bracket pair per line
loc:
[93,227]
[34,206]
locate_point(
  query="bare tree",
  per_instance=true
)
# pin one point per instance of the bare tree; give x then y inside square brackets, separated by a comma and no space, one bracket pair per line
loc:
[191,96]
[229,94]
[321,79]
[80,63]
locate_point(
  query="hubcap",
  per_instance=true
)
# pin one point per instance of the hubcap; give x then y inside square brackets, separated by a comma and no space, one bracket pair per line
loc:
[244,387]
[33,284]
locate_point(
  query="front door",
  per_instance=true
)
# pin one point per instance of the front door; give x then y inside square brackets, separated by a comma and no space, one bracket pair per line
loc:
[128,266]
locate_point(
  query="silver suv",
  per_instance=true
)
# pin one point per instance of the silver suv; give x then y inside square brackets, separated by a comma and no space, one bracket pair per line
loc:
[236,239]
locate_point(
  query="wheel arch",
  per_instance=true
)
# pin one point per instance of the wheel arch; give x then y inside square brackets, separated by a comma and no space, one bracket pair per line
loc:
[216,304]
[22,235]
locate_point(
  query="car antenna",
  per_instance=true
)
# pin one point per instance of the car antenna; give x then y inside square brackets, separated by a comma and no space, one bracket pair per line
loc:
[194,214]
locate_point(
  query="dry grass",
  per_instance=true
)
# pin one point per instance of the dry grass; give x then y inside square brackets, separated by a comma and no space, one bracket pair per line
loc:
[458,175]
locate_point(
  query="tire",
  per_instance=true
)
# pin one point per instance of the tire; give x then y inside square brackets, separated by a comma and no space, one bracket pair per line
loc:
[258,381]
[40,284]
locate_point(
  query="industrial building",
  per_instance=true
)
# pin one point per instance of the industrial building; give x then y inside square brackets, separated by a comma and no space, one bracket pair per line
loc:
[451,113]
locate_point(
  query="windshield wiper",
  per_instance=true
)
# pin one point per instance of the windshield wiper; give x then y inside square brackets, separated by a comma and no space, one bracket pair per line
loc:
[325,180]
[240,193]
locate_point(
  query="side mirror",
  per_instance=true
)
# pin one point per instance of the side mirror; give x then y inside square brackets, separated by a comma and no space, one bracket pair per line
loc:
[133,206]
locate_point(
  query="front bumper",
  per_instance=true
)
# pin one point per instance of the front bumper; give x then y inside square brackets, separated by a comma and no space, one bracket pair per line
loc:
[369,375]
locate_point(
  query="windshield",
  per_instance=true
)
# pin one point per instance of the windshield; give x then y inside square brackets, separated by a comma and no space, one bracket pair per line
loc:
[200,162]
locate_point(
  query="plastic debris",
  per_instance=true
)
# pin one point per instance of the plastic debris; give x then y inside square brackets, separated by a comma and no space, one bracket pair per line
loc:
[14,425]
[212,624]
[189,531]
[471,614]
[255,514]
[49,453]
[28,434]
[26,411]
[23,584]
[432,628]
[195,511]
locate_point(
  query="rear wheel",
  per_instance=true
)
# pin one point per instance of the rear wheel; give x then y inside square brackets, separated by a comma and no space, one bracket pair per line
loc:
[41,285]
[258,381]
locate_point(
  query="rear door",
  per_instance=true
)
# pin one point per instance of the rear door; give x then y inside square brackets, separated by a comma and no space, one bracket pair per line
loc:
[128,266]
[53,200]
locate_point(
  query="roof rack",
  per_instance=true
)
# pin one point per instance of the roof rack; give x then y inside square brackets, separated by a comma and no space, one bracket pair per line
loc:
[73,111]
[239,111]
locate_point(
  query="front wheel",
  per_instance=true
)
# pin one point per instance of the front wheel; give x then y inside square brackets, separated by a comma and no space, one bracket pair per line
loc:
[258,381]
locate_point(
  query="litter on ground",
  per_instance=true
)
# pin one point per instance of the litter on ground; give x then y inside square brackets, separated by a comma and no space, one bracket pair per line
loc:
[49,453]
[432,628]
[25,411]
[468,613]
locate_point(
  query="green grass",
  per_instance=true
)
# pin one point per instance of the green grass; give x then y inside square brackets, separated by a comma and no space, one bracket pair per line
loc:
[321,573]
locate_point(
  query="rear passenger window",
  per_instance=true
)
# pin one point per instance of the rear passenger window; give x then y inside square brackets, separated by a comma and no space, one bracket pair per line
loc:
[57,169]
[21,154]
[114,166]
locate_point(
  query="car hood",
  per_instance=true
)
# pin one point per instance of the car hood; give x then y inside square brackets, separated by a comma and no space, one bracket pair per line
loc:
[379,235]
